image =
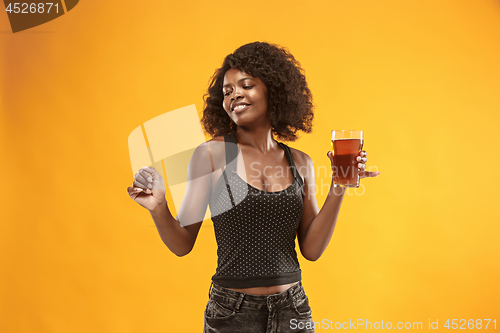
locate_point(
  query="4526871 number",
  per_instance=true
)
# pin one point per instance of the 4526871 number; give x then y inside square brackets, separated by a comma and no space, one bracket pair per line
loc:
[463,324]
[32,8]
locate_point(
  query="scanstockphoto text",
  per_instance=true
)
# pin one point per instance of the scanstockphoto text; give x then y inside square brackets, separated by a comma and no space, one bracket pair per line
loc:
[431,324]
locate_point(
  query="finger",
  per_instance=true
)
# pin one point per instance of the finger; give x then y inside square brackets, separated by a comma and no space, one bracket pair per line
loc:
[363,153]
[140,185]
[140,178]
[361,166]
[366,174]
[329,154]
[133,192]
[146,176]
[139,190]
[152,171]
[361,159]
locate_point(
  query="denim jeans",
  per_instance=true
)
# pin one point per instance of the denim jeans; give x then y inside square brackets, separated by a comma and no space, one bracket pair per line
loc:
[234,312]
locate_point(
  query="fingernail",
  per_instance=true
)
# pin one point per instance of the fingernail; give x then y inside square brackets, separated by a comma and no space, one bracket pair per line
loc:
[358,158]
[150,179]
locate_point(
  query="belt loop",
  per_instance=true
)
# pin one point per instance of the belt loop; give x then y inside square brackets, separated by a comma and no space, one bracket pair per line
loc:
[290,293]
[210,289]
[238,303]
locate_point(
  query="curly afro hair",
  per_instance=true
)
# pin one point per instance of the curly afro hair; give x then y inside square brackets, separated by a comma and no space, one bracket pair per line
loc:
[290,100]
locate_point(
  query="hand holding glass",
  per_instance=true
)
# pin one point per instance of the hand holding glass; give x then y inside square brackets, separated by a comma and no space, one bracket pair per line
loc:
[346,148]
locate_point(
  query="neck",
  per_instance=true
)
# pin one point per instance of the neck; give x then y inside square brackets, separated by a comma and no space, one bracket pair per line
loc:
[260,138]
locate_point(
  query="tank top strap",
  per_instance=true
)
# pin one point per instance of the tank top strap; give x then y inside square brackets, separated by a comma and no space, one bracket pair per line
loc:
[289,157]
[231,152]
[231,158]
[231,148]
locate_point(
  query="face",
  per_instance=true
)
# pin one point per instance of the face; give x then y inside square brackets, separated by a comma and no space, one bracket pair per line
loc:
[245,98]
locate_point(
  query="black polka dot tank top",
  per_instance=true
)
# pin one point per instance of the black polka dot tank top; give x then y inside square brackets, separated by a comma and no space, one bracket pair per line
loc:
[255,230]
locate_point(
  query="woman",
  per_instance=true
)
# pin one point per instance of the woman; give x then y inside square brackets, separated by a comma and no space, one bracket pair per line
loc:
[261,194]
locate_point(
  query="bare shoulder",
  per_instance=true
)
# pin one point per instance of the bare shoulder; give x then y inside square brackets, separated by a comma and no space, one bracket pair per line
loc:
[303,162]
[205,155]
[210,146]
[300,158]
[218,151]
[199,163]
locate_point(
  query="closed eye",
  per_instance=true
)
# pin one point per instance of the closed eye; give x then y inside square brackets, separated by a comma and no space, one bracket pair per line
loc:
[227,93]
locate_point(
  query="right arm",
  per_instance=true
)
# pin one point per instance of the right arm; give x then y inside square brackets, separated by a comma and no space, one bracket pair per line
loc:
[180,240]
[179,234]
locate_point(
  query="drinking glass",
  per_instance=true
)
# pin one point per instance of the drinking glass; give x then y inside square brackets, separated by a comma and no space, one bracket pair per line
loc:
[347,145]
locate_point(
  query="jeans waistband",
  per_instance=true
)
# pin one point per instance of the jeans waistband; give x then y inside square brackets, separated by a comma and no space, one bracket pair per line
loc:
[293,292]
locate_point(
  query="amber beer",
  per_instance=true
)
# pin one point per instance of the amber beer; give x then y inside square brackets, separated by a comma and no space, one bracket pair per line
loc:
[346,148]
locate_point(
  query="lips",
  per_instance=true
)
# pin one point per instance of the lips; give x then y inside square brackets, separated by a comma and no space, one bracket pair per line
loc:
[240,108]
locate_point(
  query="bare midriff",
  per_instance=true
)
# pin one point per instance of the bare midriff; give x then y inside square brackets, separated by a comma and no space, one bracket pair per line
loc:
[265,290]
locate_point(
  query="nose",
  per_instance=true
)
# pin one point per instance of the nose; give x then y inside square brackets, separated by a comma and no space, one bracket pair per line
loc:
[237,94]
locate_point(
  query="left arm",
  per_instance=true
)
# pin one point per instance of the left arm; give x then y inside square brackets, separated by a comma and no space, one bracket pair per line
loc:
[316,226]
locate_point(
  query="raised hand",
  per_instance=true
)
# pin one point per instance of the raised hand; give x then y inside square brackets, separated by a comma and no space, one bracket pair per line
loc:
[148,188]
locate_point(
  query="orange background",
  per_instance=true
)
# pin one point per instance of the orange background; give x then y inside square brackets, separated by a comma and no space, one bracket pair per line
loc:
[419,77]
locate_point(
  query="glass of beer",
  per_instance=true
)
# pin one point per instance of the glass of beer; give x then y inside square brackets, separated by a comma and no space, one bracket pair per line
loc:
[346,148]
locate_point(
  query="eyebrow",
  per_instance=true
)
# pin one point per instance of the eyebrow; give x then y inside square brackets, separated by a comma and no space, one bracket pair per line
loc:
[242,79]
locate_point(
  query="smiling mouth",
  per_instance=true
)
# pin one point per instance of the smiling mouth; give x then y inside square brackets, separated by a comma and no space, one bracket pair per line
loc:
[240,108]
